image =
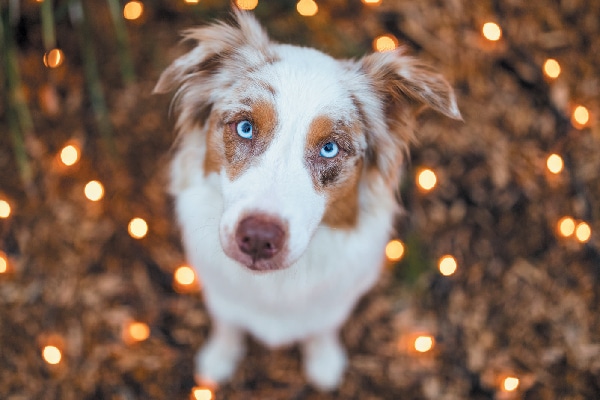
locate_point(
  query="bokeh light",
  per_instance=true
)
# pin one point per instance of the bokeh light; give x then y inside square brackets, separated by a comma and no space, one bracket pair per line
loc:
[583,232]
[69,155]
[423,343]
[138,331]
[307,8]
[138,228]
[491,31]
[554,163]
[184,275]
[385,42]
[566,226]
[510,384]
[192,1]
[246,4]
[3,263]
[54,58]
[580,116]
[201,393]
[5,209]
[94,190]
[447,265]
[372,2]
[133,10]
[394,250]
[51,354]
[426,179]
[552,68]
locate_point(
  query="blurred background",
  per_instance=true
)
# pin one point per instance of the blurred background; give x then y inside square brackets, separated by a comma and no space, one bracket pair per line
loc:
[491,289]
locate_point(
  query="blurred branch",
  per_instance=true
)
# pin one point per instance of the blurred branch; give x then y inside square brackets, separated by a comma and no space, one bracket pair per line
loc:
[48,31]
[123,47]
[92,77]
[18,116]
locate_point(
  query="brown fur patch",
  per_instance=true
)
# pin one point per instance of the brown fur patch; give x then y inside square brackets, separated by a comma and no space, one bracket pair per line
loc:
[240,152]
[338,177]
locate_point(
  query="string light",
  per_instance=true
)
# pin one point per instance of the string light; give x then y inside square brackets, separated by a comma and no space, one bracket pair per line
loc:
[51,355]
[191,1]
[583,232]
[423,343]
[307,8]
[54,58]
[491,31]
[4,209]
[510,384]
[387,42]
[566,226]
[447,265]
[552,68]
[580,117]
[554,163]
[246,4]
[3,263]
[201,393]
[372,2]
[394,250]
[426,179]
[184,275]
[136,332]
[69,155]
[94,190]
[133,10]
[138,228]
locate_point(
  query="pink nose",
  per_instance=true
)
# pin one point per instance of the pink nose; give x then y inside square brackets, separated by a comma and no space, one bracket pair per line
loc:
[259,237]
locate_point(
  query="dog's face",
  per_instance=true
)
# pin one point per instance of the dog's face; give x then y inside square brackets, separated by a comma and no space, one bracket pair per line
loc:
[293,133]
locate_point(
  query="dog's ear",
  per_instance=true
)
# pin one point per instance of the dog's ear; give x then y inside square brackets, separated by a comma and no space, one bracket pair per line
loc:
[403,81]
[215,43]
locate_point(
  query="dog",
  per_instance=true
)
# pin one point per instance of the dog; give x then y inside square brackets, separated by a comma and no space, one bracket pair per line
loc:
[284,178]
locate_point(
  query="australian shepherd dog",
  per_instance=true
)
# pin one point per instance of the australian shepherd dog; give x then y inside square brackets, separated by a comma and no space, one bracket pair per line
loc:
[284,178]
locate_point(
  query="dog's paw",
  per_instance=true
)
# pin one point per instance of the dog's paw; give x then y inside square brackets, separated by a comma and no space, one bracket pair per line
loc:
[217,360]
[324,361]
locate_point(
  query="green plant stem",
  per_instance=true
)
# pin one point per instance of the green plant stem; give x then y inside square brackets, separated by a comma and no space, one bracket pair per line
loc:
[123,46]
[48,26]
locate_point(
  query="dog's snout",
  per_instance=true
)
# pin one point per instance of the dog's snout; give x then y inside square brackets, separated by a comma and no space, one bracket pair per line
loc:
[259,237]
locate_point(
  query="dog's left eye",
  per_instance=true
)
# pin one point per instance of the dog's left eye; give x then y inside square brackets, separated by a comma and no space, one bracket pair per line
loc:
[244,129]
[329,150]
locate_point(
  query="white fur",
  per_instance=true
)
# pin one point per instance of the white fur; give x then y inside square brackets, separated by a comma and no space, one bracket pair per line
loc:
[326,270]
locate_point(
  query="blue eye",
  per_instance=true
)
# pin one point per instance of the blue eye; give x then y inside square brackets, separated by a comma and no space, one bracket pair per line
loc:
[244,129]
[329,150]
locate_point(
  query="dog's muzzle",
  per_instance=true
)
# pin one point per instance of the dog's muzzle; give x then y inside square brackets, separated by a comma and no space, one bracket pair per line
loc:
[260,238]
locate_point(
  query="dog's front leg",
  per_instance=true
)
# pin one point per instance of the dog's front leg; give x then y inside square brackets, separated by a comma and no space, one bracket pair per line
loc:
[324,360]
[217,360]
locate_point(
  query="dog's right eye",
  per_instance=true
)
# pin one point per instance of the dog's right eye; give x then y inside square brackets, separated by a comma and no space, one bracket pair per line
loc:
[244,129]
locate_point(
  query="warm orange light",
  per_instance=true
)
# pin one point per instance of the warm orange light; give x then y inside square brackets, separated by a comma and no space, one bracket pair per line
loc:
[580,117]
[423,343]
[555,163]
[394,250]
[583,232]
[133,10]
[185,275]
[491,31]
[94,190]
[246,4]
[447,265]
[200,393]
[69,155]
[566,226]
[552,68]
[510,384]
[54,58]
[385,42]
[192,1]
[426,179]
[138,228]
[51,355]
[4,209]
[307,8]
[3,263]
[372,2]
[138,331]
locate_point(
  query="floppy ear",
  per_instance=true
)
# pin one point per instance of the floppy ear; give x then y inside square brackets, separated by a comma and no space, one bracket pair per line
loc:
[404,81]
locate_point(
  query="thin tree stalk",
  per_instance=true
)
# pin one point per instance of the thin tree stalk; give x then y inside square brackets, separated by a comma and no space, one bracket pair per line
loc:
[123,46]
[48,25]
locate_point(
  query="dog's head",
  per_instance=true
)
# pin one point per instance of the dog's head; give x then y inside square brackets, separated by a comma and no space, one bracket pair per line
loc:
[293,133]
